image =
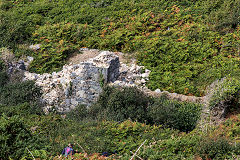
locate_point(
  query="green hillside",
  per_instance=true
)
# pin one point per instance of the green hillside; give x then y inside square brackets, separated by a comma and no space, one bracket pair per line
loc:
[187,45]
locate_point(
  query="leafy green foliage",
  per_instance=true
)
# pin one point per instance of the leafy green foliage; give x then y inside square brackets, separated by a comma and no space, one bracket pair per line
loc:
[3,78]
[225,93]
[122,137]
[223,14]
[21,109]
[128,135]
[13,94]
[182,55]
[98,136]
[215,149]
[124,103]
[229,129]
[3,74]
[179,147]
[178,115]
[186,44]
[58,42]
[15,137]
[121,104]
[79,113]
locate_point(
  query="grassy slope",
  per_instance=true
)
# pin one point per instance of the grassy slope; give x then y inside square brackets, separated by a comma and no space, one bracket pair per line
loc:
[186,44]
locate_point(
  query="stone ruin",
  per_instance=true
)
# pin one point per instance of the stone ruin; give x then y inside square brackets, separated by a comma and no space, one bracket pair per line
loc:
[80,83]
[76,84]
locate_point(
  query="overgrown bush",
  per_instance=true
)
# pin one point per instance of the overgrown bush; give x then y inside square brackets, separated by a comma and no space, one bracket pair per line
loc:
[128,135]
[120,104]
[3,74]
[17,93]
[186,44]
[174,148]
[215,149]
[178,115]
[123,103]
[21,109]
[15,138]
[223,14]
[3,78]
[80,113]
[107,136]
[58,42]
[224,94]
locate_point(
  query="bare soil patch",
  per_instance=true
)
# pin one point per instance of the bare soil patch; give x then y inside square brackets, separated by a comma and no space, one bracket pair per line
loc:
[86,54]
[83,56]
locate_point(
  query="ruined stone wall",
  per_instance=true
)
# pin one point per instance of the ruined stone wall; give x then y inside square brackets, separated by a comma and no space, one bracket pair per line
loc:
[76,84]
[81,83]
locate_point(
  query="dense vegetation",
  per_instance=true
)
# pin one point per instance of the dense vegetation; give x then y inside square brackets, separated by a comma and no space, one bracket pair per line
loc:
[186,44]
[24,128]
[112,125]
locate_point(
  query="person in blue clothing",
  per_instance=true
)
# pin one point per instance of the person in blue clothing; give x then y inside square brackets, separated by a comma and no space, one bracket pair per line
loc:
[68,150]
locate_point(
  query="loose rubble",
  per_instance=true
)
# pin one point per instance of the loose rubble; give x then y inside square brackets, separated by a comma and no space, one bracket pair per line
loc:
[131,76]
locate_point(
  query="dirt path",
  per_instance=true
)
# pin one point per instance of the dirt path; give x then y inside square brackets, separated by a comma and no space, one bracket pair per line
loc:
[86,54]
[83,56]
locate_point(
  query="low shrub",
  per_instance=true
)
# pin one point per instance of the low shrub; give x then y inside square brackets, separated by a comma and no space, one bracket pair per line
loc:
[6,5]
[22,110]
[128,135]
[3,74]
[3,78]
[181,42]
[2,65]
[224,94]
[58,42]
[15,138]
[176,147]
[120,104]
[78,114]
[178,115]
[215,149]
[223,14]
[21,92]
